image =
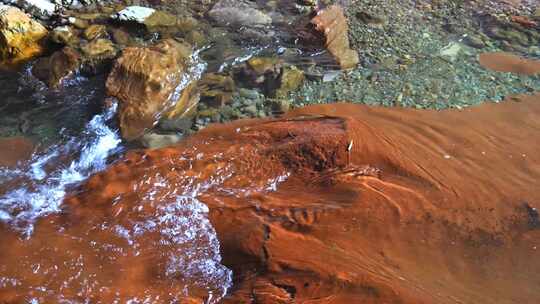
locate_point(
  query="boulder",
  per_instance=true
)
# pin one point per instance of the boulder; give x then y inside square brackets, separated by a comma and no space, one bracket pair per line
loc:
[20,36]
[332,24]
[52,70]
[238,13]
[149,82]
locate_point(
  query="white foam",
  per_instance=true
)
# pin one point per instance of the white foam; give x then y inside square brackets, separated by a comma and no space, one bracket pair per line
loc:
[41,188]
[134,13]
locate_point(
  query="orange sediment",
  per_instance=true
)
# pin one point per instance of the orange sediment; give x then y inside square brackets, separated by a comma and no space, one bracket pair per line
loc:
[506,62]
[335,203]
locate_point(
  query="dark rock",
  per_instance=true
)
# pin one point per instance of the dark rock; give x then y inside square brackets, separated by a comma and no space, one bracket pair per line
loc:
[52,70]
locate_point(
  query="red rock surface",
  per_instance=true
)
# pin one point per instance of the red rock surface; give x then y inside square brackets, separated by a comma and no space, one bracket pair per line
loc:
[506,62]
[336,203]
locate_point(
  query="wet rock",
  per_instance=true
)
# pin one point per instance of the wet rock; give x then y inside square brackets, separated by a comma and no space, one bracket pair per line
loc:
[20,36]
[120,36]
[52,70]
[269,75]
[155,20]
[332,24]
[279,106]
[156,141]
[144,80]
[95,31]
[64,35]
[178,124]
[238,13]
[160,21]
[259,72]
[99,48]
[291,78]
[216,90]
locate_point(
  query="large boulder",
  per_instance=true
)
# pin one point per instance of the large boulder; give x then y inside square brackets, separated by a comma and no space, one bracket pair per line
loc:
[150,82]
[20,35]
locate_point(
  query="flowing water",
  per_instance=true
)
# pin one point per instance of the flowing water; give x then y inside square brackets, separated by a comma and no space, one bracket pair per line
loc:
[330,204]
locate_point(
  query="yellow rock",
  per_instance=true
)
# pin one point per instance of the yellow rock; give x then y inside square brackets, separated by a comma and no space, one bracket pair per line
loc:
[20,36]
[291,79]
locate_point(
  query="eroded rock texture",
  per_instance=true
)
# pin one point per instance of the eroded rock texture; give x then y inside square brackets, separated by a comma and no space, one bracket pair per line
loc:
[148,82]
[330,204]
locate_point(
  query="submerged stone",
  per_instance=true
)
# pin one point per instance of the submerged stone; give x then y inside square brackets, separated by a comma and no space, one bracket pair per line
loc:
[291,78]
[216,89]
[238,13]
[20,36]
[156,141]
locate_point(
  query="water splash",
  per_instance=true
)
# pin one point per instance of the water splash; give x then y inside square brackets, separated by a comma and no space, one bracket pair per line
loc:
[41,184]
